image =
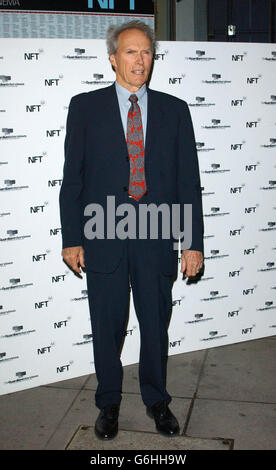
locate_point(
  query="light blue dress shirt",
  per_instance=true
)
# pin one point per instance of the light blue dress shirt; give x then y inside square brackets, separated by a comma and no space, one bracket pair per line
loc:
[124,104]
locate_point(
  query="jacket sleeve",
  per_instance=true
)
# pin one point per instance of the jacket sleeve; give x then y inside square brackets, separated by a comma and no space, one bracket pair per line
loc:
[72,184]
[188,182]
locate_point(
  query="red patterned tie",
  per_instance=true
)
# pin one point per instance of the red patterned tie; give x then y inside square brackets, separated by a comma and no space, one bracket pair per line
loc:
[136,151]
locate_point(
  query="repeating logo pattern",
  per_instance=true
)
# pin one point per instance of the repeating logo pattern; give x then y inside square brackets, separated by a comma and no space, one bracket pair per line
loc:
[45,330]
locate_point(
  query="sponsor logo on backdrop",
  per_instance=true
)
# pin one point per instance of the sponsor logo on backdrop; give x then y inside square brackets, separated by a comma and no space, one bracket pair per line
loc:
[215,168]
[7,263]
[253,80]
[271,58]
[33,56]
[21,376]
[8,134]
[250,250]
[272,143]
[79,54]
[98,80]
[233,232]
[269,266]
[178,301]
[237,189]
[130,331]
[215,212]
[200,56]
[206,193]
[54,132]
[87,339]
[200,146]
[237,146]
[176,80]
[251,209]
[39,208]
[161,55]
[249,291]
[214,295]
[238,102]
[235,273]
[12,235]
[59,278]
[252,124]
[176,343]
[55,231]
[40,256]
[238,57]
[3,214]
[64,368]
[110,5]
[17,330]
[84,296]
[6,81]
[33,108]
[213,335]
[215,124]
[52,82]
[54,183]
[198,318]
[234,313]
[247,330]
[271,100]
[271,185]
[3,311]
[214,254]
[271,225]
[36,158]
[5,358]
[44,349]
[11,186]
[251,167]
[42,303]
[61,323]
[216,79]
[16,284]
[200,102]
[268,305]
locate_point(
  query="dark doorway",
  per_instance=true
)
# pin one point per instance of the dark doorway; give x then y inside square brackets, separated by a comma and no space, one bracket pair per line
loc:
[242,20]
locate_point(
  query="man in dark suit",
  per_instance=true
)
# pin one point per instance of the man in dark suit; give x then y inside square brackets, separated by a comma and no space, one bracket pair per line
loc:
[128,146]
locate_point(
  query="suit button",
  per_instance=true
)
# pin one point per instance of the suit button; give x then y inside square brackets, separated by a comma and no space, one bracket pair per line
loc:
[127,158]
[125,188]
[146,193]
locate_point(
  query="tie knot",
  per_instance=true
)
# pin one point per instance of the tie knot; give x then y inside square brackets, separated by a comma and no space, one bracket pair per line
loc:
[133,99]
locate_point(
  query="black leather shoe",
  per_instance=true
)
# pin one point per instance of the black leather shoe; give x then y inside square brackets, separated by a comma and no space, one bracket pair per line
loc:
[166,423]
[106,426]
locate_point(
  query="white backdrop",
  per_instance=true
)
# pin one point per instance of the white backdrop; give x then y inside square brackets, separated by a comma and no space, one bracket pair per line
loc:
[45,333]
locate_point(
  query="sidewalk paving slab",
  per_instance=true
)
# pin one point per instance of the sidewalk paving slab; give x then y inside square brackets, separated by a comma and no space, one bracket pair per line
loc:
[85,439]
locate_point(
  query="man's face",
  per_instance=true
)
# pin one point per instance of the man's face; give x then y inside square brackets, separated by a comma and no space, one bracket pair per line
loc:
[132,61]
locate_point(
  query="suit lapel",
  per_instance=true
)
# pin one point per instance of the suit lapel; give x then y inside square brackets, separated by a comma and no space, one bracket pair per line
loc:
[114,123]
[154,122]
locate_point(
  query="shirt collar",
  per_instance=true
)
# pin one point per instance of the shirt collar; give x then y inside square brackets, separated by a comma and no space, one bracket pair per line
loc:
[124,94]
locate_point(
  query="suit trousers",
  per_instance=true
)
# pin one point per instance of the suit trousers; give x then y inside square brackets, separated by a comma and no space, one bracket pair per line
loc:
[109,296]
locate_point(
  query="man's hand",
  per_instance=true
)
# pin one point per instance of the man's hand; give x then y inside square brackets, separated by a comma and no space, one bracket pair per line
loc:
[191,262]
[74,257]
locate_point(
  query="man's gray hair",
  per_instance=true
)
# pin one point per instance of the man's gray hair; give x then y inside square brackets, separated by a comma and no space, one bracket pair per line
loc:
[114,32]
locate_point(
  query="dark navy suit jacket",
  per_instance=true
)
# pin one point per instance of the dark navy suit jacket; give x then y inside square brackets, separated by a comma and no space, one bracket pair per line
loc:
[97,165]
